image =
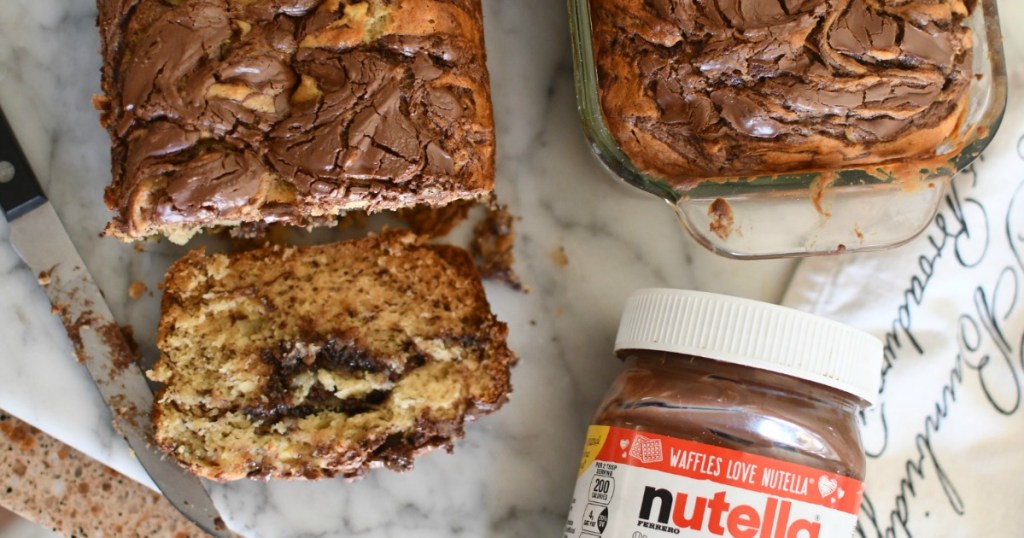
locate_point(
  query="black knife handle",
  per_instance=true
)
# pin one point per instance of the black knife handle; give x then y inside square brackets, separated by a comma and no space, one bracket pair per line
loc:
[20,192]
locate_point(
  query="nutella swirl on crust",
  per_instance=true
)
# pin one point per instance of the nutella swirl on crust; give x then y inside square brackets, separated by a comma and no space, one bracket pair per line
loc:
[695,89]
[224,111]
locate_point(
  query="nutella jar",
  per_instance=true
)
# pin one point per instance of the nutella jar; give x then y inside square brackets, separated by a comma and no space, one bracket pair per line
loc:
[732,418]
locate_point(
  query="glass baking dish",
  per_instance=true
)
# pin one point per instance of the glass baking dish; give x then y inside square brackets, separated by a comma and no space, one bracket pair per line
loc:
[798,214]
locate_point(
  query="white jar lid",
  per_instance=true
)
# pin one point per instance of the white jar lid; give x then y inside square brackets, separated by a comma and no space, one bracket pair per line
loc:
[755,334]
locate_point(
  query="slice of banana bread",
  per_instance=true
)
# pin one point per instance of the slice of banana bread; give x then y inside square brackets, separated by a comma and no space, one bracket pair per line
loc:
[311,362]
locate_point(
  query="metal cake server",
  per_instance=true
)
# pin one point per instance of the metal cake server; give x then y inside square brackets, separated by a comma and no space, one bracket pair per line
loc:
[42,242]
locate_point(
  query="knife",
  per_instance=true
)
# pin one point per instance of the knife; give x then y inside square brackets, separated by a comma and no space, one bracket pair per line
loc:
[41,240]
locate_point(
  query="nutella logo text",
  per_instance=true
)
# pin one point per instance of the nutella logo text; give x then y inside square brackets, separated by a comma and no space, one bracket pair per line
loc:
[663,511]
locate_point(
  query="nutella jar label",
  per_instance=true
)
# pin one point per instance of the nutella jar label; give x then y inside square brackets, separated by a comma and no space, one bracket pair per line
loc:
[643,485]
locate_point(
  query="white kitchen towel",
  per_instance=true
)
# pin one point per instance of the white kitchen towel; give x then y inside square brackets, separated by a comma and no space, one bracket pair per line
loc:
[944,445]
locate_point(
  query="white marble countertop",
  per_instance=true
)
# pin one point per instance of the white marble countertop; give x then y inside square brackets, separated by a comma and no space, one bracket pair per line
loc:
[513,473]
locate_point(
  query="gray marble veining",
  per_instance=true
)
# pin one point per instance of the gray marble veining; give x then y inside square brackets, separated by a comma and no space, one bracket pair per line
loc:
[513,473]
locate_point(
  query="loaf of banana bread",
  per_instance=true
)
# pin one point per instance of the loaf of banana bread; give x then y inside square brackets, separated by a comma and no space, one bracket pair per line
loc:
[223,112]
[722,88]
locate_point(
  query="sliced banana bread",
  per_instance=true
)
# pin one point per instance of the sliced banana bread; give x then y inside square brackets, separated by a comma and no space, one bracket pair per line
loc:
[312,362]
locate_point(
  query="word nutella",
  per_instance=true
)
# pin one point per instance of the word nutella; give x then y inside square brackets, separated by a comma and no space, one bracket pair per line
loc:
[732,418]
[741,519]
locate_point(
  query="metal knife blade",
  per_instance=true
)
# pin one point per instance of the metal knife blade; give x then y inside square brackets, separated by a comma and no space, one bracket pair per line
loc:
[41,240]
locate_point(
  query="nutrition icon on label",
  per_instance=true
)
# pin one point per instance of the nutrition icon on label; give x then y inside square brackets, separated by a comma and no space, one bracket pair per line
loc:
[601,489]
[595,519]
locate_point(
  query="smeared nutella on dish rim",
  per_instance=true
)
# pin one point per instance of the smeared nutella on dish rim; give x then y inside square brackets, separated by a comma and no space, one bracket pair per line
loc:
[732,418]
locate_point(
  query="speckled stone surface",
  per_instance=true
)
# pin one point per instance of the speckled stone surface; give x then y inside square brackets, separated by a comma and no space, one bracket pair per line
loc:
[584,243]
[46,481]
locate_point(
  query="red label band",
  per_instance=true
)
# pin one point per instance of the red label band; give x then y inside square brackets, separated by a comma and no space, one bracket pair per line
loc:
[733,468]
